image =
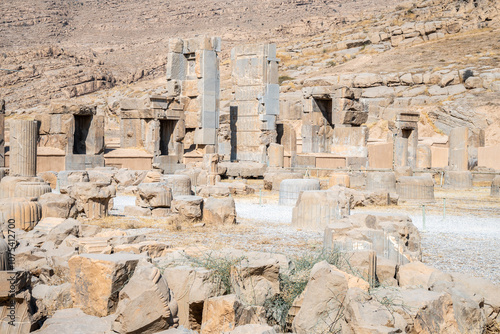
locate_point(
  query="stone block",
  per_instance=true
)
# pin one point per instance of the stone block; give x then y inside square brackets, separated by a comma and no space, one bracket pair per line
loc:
[190,208]
[153,195]
[385,181]
[96,280]
[419,188]
[219,211]
[458,179]
[255,281]
[146,304]
[136,211]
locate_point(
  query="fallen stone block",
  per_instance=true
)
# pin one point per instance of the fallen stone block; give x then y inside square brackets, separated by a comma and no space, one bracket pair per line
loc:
[189,207]
[96,280]
[219,210]
[146,304]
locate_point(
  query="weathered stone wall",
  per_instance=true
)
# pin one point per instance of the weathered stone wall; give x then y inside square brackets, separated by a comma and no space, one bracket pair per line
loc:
[255,104]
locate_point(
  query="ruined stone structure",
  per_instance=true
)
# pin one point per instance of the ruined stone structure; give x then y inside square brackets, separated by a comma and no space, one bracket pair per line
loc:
[332,119]
[255,105]
[71,137]
[406,139]
[161,129]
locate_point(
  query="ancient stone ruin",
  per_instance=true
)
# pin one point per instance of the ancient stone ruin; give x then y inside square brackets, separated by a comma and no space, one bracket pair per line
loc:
[243,186]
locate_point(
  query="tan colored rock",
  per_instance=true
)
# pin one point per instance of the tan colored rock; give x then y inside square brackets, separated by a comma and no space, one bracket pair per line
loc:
[96,280]
[219,211]
[255,281]
[253,329]
[146,304]
[153,195]
[188,207]
[191,288]
[49,298]
[50,178]
[220,314]
[364,314]
[151,248]
[75,321]
[415,274]
[136,211]
[323,297]
[57,205]
[92,199]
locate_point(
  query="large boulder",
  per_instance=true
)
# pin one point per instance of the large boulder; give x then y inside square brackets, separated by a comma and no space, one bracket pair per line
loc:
[96,280]
[365,314]
[322,300]
[255,281]
[146,304]
[191,288]
[75,321]
[57,205]
[220,314]
[50,298]
[153,195]
[219,211]
[92,199]
[415,274]
[189,207]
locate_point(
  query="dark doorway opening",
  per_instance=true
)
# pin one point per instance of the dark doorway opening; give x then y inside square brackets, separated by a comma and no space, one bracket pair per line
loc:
[82,128]
[167,128]
[279,131]
[325,106]
[233,118]
[406,133]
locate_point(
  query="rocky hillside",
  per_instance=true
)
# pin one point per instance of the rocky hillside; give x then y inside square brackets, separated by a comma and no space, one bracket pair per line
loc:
[438,56]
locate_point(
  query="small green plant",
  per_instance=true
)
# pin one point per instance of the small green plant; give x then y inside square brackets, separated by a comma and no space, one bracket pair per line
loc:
[220,268]
[283,78]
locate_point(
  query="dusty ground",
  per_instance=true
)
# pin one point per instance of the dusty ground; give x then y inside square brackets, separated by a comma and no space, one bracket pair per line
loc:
[467,240]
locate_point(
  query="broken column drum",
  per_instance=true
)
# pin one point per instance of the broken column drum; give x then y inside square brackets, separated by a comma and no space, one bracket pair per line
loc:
[415,188]
[290,189]
[180,184]
[31,189]
[23,143]
[23,211]
[377,181]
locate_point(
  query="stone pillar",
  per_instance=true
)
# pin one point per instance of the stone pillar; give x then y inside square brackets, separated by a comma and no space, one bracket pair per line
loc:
[23,143]
[276,155]
[2,133]
[458,157]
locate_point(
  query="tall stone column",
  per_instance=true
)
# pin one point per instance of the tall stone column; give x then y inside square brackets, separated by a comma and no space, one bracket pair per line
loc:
[23,143]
